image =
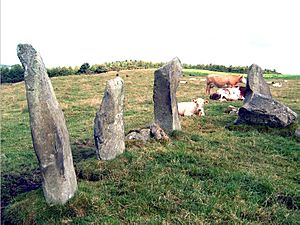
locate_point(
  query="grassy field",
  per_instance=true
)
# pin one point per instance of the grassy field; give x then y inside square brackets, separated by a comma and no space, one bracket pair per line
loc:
[206,174]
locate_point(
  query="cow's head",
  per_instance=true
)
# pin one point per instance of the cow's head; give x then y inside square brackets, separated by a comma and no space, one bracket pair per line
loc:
[243,80]
[200,106]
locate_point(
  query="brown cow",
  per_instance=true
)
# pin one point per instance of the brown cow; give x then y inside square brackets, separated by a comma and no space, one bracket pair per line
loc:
[221,81]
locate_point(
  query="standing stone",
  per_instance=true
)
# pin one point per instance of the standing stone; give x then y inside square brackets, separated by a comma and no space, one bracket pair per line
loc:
[259,108]
[166,81]
[108,124]
[256,83]
[50,136]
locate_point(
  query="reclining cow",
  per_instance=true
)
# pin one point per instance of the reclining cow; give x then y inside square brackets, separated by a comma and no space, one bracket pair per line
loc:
[196,107]
[222,81]
[229,94]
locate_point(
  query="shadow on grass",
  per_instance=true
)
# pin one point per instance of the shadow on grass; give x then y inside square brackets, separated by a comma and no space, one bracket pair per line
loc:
[288,131]
[13,184]
[83,150]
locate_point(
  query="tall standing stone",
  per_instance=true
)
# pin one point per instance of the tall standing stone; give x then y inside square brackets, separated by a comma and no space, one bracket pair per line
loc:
[256,83]
[108,124]
[166,80]
[50,136]
[259,107]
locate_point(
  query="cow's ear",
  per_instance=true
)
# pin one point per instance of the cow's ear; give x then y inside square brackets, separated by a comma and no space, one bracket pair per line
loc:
[206,101]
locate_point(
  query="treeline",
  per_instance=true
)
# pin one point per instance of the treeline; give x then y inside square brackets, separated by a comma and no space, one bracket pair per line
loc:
[15,73]
[226,69]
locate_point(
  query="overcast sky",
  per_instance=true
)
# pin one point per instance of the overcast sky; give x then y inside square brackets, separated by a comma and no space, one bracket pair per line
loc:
[228,32]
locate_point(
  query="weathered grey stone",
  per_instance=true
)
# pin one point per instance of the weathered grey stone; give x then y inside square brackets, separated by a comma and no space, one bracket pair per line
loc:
[158,133]
[143,134]
[166,81]
[256,83]
[108,124]
[50,136]
[153,132]
[262,110]
[259,108]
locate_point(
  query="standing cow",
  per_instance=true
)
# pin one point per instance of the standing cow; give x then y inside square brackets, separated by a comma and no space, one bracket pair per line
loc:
[221,81]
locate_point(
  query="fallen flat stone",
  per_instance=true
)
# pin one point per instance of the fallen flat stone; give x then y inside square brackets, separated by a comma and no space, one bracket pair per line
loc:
[262,110]
[166,81]
[259,107]
[50,136]
[108,124]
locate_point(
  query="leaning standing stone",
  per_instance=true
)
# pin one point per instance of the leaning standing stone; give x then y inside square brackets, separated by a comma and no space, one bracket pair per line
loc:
[108,124]
[166,80]
[50,136]
[256,83]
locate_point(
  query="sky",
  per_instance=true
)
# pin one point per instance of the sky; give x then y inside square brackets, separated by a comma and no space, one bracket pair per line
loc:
[231,32]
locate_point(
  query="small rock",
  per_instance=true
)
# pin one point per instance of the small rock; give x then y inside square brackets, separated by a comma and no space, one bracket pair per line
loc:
[143,135]
[158,133]
[232,110]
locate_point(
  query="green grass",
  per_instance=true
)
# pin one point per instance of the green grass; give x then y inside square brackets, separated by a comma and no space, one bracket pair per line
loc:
[282,76]
[204,73]
[206,174]
[195,72]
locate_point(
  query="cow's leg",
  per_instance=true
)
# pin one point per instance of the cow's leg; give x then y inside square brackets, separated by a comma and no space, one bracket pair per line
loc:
[208,86]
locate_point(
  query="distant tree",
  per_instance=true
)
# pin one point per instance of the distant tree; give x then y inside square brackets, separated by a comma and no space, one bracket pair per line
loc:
[4,71]
[98,68]
[84,68]
[13,74]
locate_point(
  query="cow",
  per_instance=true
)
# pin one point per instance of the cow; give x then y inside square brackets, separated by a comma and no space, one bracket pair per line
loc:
[192,108]
[243,92]
[221,81]
[229,94]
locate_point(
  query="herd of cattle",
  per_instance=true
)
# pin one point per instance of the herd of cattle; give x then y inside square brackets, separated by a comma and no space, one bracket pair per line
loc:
[229,90]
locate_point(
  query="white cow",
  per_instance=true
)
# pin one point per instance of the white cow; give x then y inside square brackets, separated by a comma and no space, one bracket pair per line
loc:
[230,94]
[191,108]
